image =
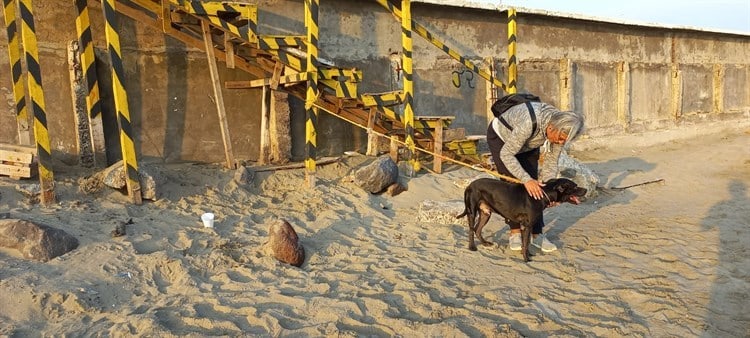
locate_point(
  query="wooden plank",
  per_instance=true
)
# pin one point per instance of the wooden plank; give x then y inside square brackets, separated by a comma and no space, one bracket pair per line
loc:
[15,171]
[265,135]
[276,76]
[218,96]
[434,118]
[18,148]
[15,156]
[453,134]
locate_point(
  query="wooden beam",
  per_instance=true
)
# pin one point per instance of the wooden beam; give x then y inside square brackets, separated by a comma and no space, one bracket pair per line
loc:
[286,79]
[218,96]
[265,136]
[437,162]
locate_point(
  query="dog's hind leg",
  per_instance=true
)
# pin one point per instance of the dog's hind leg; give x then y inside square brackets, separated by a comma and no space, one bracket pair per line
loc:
[484,216]
[472,225]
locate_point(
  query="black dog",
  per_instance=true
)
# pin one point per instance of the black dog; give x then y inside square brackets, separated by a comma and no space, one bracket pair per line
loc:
[510,200]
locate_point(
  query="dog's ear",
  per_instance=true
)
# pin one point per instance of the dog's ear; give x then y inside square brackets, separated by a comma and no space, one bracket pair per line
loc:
[580,191]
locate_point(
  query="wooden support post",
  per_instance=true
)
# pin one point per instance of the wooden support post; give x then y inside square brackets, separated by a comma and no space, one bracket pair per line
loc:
[218,96]
[276,76]
[437,163]
[623,93]
[229,49]
[718,88]
[265,136]
[394,148]
[372,138]
[566,84]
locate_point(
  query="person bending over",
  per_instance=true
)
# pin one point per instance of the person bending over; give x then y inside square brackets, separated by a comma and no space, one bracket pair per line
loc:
[516,139]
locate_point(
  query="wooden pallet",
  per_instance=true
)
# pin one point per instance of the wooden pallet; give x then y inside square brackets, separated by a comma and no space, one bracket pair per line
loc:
[18,161]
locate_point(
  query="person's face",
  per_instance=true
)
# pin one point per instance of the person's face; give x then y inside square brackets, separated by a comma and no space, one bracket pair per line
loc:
[555,136]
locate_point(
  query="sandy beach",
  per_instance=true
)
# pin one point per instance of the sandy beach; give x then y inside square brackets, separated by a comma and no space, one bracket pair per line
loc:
[669,259]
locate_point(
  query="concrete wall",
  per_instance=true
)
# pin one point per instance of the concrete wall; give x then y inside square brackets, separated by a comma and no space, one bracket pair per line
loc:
[622,77]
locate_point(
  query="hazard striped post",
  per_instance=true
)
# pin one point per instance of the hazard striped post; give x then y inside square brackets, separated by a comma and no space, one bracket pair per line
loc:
[120,96]
[406,44]
[19,90]
[512,67]
[311,112]
[88,64]
[36,95]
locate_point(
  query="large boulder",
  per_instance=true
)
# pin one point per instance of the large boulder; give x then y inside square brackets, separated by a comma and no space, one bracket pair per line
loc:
[284,245]
[35,241]
[378,175]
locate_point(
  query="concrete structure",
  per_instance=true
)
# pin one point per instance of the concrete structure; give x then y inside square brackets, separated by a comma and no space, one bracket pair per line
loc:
[624,77]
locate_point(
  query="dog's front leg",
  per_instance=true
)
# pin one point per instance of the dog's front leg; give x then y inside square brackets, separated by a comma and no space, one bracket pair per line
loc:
[525,241]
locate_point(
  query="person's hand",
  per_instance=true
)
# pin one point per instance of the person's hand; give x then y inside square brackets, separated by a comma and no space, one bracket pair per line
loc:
[534,188]
[554,204]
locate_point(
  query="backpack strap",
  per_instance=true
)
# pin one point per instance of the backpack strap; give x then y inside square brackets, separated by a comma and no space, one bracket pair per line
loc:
[531,114]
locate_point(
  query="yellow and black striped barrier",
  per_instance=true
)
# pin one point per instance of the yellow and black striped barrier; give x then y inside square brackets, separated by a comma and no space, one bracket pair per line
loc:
[127,140]
[277,42]
[382,99]
[211,10]
[311,112]
[36,95]
[423,32]
[408,70]
[512,62]
[88,60]
[19,90]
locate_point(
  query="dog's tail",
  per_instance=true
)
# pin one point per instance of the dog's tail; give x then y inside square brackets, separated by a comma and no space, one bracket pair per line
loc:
[466,205]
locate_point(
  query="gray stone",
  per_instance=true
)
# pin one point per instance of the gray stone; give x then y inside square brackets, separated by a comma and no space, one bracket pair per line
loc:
[378,175]
[440,212]
[582,175]
[35,241]
[243,175]
[114,177]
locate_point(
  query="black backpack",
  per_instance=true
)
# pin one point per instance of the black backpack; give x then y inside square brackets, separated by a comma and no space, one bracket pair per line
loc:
[508,101]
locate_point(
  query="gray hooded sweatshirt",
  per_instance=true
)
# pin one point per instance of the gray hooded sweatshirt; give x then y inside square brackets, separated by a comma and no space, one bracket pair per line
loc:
[521,140]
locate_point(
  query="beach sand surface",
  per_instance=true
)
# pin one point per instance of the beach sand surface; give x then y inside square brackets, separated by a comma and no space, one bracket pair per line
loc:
[667,259]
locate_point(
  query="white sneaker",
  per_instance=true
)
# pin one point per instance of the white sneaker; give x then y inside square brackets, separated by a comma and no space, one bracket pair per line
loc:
[514,242]
[543,243]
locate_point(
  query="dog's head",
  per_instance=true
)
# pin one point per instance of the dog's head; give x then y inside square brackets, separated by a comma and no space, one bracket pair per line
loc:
[564,190]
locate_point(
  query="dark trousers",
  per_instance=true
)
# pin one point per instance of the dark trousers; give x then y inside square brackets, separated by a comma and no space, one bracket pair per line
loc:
[529,161]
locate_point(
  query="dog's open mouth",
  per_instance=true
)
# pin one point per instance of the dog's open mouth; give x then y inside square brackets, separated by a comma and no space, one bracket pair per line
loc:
[574,199]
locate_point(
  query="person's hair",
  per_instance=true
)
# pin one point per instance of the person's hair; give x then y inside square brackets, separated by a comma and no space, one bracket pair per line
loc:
[569,122]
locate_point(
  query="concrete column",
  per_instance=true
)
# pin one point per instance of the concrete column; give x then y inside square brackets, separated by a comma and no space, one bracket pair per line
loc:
[566,84]
[623,93]
[718,90]
[676,97]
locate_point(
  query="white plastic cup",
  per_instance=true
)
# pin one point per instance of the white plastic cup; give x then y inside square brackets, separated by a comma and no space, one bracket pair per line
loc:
[208,220]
